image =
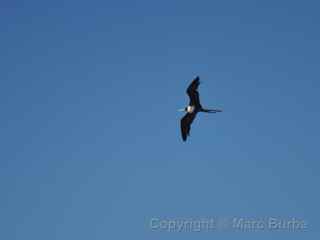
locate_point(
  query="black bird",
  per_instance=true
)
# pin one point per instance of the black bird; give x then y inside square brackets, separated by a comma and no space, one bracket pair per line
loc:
[193,108]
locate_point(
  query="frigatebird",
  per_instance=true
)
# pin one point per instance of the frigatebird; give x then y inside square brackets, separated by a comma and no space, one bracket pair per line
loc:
[193,108]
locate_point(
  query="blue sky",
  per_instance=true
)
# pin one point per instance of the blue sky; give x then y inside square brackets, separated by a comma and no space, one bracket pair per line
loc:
[90,137]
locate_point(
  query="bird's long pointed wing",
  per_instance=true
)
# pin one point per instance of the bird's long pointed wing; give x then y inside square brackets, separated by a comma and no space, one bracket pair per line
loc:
[193,93]
[185,124]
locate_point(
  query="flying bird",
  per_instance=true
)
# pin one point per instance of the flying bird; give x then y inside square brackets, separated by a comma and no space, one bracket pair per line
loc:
[192,109]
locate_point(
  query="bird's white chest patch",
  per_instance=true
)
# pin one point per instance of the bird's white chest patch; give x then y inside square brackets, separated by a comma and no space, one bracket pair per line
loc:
[190,109]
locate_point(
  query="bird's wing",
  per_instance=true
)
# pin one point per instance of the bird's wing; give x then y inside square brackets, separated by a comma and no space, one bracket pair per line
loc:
[193,93]
[185,124]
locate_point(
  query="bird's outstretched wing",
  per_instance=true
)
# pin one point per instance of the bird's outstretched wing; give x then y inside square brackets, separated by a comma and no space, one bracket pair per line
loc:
[193,93]
[185,124]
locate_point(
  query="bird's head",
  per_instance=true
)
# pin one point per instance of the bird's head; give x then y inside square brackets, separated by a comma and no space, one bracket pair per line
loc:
[182,109]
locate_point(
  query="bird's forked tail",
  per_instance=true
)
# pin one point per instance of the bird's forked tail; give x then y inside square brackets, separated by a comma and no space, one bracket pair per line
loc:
[211,110]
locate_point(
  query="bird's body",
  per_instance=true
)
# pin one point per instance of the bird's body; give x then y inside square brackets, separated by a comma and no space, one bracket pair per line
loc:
[190,109]
[193,108]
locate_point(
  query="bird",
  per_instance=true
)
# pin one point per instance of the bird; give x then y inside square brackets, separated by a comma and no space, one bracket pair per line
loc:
[193,108]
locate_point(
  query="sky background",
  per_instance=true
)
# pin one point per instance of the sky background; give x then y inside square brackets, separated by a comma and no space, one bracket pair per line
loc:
[90,141]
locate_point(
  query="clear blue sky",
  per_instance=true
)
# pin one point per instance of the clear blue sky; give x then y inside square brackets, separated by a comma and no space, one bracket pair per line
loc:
[90,141]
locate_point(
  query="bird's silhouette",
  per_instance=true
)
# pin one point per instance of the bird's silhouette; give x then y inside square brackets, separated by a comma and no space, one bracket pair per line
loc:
[193,108]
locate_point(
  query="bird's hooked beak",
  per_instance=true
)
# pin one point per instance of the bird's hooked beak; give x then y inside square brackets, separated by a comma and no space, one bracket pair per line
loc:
[181,110]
